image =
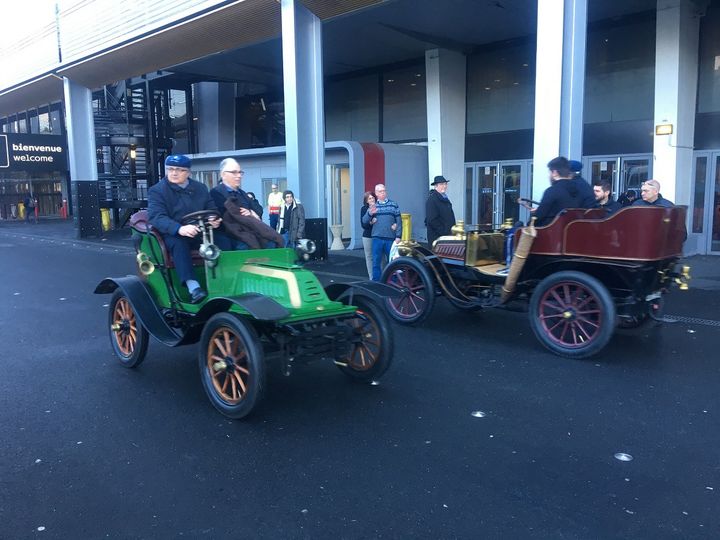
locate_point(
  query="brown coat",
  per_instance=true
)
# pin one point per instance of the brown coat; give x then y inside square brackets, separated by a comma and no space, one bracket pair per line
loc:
[248,229]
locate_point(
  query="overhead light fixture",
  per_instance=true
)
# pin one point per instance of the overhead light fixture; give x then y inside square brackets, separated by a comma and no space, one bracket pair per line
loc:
[664,129]
[133,151]
[391,80]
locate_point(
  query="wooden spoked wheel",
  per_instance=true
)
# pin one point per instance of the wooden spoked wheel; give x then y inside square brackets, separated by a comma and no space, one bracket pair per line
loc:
[128,336]
[231,364]
[371,349]
[228,365]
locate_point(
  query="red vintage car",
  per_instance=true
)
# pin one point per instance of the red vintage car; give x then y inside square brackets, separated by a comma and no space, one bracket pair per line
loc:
[583,275]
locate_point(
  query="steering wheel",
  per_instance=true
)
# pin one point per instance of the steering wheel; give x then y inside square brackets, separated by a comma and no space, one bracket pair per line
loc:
[194,218]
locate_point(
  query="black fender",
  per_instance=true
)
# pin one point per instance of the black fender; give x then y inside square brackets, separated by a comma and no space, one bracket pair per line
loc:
[374,290]
[260,307]
[144,306]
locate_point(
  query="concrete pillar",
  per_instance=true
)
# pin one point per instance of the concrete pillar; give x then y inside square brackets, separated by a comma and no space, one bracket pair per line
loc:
[215,113]
[559,85]
[304,117]
[82,159]
[676,73]
[446,73]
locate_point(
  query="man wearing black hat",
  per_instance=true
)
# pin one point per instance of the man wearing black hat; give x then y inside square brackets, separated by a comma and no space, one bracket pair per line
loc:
[439,215]
[169,200]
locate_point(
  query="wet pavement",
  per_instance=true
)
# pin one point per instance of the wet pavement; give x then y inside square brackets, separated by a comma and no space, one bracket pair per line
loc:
[475,431]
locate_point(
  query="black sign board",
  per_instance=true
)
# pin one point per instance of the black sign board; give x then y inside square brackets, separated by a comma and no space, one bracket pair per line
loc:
[32,153]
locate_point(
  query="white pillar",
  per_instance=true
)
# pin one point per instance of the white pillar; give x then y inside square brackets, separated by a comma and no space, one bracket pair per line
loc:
[676,72]
[445,73]
[304,118]
[82,158]
[559,85]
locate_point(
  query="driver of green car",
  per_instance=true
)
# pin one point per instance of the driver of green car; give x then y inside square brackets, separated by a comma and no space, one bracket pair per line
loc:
[175,196]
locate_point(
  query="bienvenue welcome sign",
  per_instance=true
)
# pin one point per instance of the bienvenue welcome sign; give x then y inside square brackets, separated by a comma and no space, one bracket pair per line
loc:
[32,153]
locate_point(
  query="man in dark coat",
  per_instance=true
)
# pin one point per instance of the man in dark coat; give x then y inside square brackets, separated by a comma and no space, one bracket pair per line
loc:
[231,175]
[566,191]
[169,200]
[439,215]
[650,195]
[604,198]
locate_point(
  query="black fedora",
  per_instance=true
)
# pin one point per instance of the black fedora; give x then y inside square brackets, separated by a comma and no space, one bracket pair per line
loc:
[439,180]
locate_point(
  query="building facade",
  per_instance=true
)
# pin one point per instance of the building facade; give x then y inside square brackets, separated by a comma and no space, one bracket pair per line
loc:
[329,98]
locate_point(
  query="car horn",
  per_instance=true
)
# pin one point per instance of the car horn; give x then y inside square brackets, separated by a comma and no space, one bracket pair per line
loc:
[145,265]
[210,252]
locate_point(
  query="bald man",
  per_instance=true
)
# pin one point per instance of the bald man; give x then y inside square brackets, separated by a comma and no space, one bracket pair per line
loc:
[650,195]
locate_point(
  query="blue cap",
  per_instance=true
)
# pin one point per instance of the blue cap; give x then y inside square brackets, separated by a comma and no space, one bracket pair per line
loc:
[575,166]
[178,160]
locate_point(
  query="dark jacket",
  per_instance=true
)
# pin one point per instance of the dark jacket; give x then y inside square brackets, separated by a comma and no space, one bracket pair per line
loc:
[168,203]
[611,206]
[250,230]
[564,193]
[439,216]
[220,192]
[367,227]
[296,229]
[660,201]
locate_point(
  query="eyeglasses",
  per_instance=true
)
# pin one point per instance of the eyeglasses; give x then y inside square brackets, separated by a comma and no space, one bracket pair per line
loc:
[170,170]
[235,172]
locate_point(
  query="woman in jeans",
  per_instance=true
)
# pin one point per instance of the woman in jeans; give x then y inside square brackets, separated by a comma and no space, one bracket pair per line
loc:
[368,200]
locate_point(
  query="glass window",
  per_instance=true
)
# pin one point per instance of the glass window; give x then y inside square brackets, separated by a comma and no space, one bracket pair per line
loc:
[709,62]
[501,89]
[699,199]
[178,121]
[22,126]
[404,105]
[352,109]
[620,71]
[55,120]
[43,122]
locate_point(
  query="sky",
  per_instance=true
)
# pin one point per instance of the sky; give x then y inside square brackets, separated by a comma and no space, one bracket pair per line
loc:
[21,17]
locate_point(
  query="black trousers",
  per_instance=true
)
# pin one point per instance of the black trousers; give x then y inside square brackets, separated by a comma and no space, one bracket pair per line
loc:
[180,248]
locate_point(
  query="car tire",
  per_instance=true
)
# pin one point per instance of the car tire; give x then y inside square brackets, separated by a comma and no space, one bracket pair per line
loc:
[372,350]
[128,337]
[572,314]
[232,368]
[417,289]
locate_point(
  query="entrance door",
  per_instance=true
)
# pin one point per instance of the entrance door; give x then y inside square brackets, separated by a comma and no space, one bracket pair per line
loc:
[492,190]
[704,220]
[623,172]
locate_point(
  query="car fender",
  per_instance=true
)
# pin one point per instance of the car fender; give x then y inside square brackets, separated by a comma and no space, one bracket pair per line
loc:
[144,306]
[374,290]
[260,307]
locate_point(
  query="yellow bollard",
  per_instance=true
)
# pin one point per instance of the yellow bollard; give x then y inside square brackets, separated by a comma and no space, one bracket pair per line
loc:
[105,218]
[21,210]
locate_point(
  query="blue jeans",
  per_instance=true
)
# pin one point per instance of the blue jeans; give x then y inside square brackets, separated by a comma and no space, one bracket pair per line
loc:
[380,247]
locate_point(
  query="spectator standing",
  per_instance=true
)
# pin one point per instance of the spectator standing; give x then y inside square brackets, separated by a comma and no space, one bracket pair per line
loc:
[274,202]
[368,201]
[386,230]
[439,215]
[30,208]
[175,196]
[650,195]
[291,222]
[603,197]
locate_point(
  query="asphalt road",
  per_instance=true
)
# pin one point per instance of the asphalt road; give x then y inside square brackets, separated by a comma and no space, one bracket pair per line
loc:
[89,449]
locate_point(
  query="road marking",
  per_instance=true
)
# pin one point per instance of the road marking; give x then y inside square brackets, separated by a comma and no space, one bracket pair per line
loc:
[691,320]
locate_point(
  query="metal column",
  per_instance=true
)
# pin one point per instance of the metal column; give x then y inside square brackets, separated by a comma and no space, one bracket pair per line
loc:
[304,117]
[82,159]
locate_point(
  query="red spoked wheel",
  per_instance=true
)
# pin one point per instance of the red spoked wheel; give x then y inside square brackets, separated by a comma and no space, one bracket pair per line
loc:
[416,287]
[572,314]
[231,365]
[128,337]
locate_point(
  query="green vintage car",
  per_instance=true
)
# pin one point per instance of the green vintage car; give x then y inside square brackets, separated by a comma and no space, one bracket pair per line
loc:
[260,303]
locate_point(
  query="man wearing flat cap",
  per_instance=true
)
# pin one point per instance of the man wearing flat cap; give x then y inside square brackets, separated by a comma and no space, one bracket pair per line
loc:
[169,200]
[439,215]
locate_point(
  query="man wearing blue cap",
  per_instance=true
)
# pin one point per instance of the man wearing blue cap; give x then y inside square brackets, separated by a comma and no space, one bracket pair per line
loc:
[169,200]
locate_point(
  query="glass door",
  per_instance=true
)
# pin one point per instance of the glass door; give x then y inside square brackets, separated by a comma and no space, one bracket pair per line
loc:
[623,172]
[492,190]
[714,208]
